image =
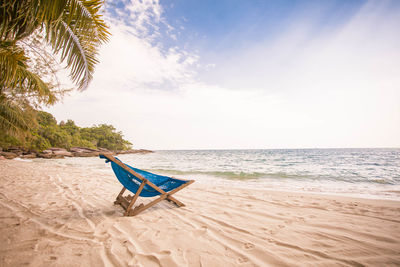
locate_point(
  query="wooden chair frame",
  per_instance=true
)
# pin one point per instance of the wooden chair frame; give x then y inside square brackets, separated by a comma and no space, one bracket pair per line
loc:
[128,201]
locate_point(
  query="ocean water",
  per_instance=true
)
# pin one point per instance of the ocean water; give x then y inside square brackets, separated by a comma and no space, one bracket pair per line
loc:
[369,173]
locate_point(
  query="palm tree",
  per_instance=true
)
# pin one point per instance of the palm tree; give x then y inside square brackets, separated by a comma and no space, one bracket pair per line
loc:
[74,29]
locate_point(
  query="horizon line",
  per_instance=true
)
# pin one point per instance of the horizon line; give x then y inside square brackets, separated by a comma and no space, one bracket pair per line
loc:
[306,148]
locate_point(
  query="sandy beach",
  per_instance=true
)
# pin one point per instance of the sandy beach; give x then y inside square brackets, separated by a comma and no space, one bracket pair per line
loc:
[54,215]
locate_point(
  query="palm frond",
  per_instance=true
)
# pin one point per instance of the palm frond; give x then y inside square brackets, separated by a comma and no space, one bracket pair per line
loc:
[74,28]
[19,19]
[79,54]
[86,15]
[16,78]
[12,117]
[76,35]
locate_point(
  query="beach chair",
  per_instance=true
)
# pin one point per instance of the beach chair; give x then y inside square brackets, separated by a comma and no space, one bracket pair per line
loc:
[144,184]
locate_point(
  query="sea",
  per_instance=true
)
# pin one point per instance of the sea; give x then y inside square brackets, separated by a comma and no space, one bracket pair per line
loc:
[367,172]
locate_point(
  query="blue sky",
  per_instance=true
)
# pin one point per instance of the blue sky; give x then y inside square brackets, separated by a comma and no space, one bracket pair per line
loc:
[247,74]
[219,25]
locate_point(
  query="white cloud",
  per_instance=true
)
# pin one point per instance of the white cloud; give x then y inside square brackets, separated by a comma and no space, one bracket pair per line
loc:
[142,16]
[336,89]
[130,62]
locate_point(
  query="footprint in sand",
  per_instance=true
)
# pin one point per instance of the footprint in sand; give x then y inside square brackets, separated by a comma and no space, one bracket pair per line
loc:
[42,232]
[248,246]
[109,213]
[157,233]
[300,219]
[165,252]
[53,258]
[242,260]
[270,240]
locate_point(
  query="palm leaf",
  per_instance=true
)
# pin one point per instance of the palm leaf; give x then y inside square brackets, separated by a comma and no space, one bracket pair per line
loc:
[11,117]
[74,28]
[77,35]
[16,78]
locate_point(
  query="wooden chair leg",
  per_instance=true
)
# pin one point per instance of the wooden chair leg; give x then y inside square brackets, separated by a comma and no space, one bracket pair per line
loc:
[175,201]
[141,208]
[118,200]
[128,209]
[167,196]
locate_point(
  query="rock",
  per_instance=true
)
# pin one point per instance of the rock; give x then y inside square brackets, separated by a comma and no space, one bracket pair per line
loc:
[57,149]
[30,151]
[29,156]
[104,150]
[8,155]
[82,149]
[16,150]
[45,155]
[56,152]
[1,158]
[63,153]
[86,154]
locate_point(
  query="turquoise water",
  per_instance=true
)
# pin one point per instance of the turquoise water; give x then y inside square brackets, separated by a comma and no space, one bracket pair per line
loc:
[372,173]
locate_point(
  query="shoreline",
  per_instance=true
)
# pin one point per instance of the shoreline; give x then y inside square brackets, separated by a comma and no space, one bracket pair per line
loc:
[59,153]
[64,215]
[327,188]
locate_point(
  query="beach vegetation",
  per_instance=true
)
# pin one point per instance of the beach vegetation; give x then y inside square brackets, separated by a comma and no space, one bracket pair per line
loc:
[37,39]
[48,133]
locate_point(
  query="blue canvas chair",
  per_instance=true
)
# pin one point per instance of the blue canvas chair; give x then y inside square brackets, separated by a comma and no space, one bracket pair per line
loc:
[144,184]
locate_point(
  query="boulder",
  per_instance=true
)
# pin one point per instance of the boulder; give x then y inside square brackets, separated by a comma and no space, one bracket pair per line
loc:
[45,155]
[16,150]
[104,150]
[56,149]
[1,158]
[63,153]
[29,156]
[47,151]
[82,149]
[8,155]
[30,151]
[86,154]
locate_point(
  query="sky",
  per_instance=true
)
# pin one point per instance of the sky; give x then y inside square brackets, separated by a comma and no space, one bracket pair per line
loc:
[246,74]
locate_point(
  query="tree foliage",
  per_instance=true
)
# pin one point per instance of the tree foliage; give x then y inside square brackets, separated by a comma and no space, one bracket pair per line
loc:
[72,29]
[48,133]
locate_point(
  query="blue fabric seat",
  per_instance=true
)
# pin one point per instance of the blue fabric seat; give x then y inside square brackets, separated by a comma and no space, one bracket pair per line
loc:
[132,183]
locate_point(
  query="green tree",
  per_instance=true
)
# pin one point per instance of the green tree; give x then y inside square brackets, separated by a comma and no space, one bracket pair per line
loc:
[105,136]
[74,29]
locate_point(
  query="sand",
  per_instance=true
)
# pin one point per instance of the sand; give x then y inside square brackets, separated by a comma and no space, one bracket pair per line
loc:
[52,215]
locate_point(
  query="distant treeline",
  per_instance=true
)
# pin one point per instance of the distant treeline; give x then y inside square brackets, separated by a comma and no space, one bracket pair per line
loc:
[48,133]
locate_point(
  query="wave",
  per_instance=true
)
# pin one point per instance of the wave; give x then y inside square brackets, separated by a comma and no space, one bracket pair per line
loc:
[230,175]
